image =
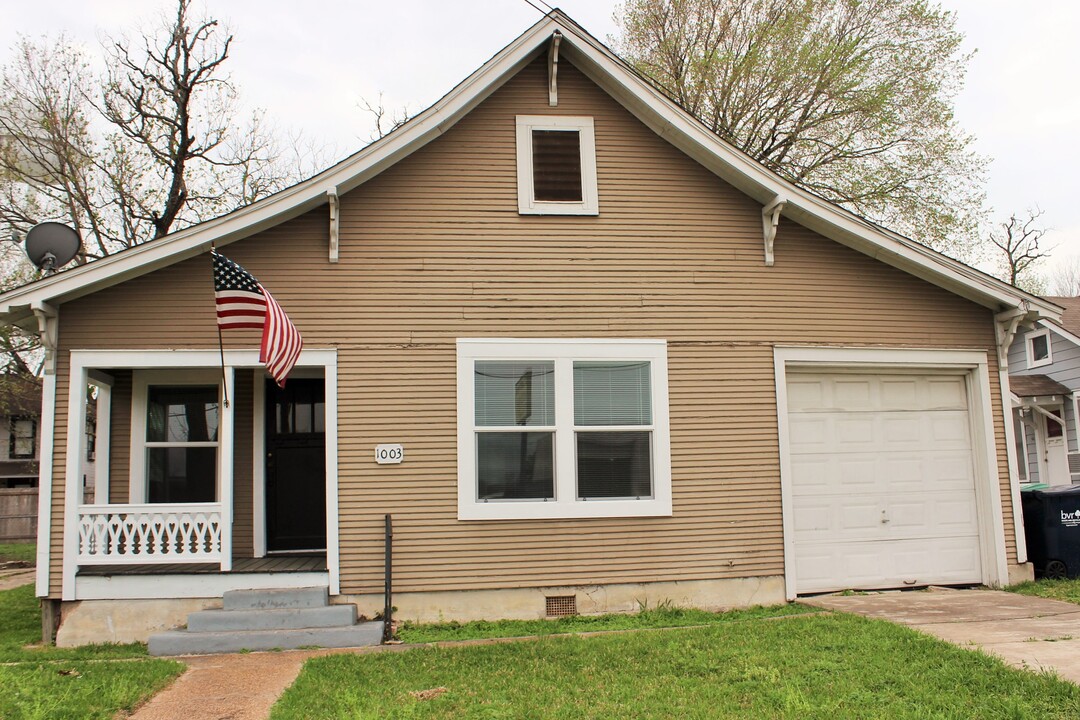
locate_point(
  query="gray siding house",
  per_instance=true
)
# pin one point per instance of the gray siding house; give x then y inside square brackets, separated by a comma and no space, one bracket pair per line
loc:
[1044,376]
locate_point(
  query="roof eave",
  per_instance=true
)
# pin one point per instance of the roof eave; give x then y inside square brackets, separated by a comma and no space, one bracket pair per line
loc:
[641,98]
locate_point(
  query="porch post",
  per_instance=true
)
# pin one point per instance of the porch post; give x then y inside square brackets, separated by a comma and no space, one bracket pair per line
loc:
[226,441]
[45,483]
[76,444]
[102,435]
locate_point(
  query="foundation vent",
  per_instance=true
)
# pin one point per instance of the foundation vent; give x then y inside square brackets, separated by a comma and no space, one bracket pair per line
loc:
[560,605]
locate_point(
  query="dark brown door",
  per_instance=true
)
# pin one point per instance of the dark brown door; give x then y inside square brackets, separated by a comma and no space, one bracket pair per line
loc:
[296,465]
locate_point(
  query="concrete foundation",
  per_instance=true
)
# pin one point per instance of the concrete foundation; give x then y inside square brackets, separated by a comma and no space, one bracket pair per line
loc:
[529,603]
[1023,572]
[123,621]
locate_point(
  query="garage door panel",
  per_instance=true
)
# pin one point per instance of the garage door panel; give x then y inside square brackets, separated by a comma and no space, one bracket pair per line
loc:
[888,563]
[864,448]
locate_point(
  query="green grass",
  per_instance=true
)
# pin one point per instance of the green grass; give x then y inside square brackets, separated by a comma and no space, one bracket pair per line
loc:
[19,552]
[660,617]
[95,681]
[1067,590]
[816,666]
[80,689]
[20,634]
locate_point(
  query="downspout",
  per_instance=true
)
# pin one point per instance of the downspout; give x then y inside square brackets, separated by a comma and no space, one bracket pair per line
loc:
[1005,326]
[47,319]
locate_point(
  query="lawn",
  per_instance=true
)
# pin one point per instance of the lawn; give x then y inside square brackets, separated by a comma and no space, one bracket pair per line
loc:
[89,682]
[18,552]
[810,666]
[660,617]
[1067,590]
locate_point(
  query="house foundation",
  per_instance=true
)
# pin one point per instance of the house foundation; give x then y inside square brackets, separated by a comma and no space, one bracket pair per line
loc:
[533,603]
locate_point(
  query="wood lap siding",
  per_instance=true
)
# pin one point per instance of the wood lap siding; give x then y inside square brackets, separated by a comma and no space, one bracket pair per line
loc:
[433,249]
[120,438]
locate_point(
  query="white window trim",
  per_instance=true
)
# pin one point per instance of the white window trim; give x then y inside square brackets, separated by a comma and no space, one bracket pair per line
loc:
[566,504]
[527,203]
[1029,338]
[141,382]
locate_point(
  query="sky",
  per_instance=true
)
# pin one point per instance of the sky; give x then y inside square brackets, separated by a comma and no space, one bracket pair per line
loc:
[309,66]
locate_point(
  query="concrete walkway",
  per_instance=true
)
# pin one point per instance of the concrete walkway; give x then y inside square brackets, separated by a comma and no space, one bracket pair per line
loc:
[14,578]
[1026,632]
[237,687]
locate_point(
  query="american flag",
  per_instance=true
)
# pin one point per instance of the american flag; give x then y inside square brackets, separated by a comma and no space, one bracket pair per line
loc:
[243,303]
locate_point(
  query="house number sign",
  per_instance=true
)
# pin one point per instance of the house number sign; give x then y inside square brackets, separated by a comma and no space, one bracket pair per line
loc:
[389,454]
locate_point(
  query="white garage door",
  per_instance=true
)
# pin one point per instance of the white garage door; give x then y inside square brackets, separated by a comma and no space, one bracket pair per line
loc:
[882,479]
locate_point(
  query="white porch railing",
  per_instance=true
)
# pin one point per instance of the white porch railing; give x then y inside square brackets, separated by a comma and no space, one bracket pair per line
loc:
[149,533]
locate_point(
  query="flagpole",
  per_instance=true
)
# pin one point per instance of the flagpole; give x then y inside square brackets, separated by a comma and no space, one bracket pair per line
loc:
[220,342]
[224,382]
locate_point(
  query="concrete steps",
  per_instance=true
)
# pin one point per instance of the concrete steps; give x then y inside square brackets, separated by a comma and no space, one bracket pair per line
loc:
[268,620]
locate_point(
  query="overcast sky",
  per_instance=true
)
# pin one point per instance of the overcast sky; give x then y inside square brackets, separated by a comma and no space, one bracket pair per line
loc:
[308,64]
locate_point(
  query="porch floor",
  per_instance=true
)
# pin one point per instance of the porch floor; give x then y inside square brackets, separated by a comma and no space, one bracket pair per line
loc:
[269,564]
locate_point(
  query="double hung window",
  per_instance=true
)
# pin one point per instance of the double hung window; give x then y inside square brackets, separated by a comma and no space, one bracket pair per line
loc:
[23,438]
[558,428]
[174,440]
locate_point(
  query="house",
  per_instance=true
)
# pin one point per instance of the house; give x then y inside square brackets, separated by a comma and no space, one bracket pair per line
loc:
[20,409]
[1044,372]
[583,351]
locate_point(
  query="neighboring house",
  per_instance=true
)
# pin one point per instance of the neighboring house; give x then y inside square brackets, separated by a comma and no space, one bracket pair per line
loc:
[20,415]
[20,420]
[1044,373]
[624,363]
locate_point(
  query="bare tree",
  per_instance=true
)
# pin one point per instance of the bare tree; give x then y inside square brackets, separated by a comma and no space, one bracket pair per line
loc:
[156,144]
[1019,240]
[1064,279]
[385,121]
[851,100]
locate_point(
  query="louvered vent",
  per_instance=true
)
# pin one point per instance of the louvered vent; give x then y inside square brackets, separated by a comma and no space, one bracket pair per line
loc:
[560,605]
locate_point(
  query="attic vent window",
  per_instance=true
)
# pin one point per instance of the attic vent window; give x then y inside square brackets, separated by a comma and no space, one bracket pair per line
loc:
[556,163]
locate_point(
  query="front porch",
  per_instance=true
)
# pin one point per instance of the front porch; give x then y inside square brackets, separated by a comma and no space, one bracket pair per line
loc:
[209,479]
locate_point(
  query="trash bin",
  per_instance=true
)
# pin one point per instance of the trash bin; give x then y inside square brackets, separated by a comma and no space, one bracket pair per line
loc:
[1052,524]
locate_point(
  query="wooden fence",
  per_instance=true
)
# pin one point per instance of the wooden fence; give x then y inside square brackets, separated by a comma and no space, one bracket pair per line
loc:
[18,514]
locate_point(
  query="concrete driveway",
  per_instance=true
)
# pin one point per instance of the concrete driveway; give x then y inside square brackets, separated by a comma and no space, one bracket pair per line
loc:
[1026,632]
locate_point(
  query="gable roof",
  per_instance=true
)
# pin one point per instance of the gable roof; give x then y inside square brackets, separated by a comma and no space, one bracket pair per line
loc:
[1070,318]
[614,76]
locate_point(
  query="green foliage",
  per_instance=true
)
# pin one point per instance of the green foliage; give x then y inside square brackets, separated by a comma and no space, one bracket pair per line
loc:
[851,99]
[817,666]
[663,616]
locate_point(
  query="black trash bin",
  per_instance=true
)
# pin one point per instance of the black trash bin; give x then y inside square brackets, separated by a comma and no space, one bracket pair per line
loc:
[1052,523]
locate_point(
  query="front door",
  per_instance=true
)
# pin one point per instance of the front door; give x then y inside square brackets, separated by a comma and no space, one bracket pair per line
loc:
[296,465]
[1057,460]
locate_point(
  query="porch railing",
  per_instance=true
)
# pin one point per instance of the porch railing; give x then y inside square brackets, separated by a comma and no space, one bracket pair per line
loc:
[149,533]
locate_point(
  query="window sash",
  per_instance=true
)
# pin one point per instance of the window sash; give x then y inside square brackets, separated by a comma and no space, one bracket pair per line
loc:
[650,496]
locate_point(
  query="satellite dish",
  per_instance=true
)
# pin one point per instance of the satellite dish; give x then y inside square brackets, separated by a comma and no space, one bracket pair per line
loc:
[51,245]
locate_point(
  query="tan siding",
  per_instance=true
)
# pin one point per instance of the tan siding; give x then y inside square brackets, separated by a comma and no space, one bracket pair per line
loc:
[434,249]
[244,401]
[120,437]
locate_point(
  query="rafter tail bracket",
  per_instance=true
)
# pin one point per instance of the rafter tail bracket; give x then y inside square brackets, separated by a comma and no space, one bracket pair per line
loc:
[770,219]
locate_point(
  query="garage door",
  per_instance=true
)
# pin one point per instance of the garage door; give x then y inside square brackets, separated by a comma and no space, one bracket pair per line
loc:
[882,480]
